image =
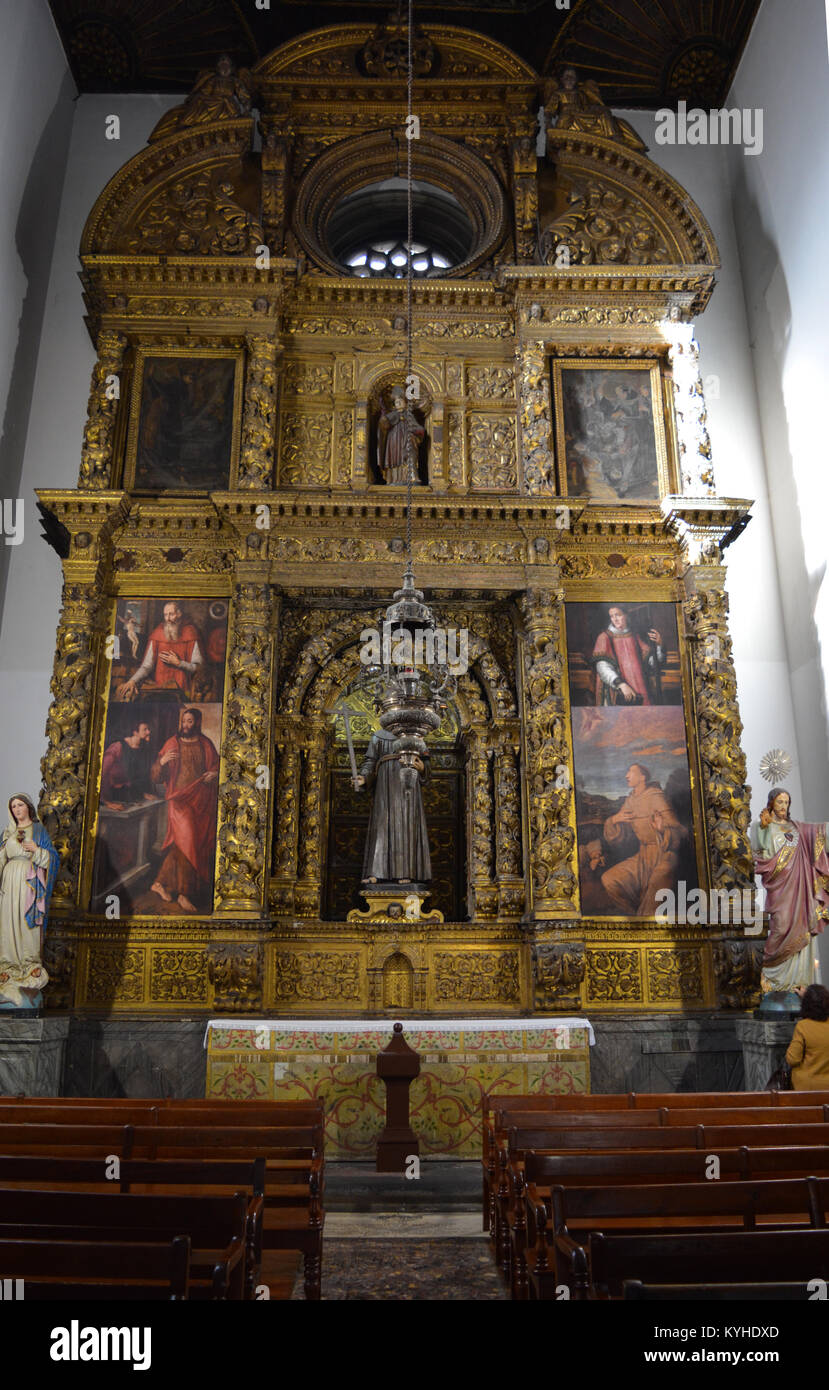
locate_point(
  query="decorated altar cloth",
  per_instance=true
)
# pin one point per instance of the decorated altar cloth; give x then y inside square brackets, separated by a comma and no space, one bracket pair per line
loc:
[334,1061]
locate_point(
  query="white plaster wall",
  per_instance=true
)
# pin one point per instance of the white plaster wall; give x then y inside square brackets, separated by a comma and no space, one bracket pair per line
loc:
[56,421]
[36,107]
[781,203]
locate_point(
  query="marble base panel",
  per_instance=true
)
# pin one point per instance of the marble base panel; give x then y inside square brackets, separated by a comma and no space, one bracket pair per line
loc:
[140,1057]
[764,1048]
[32,1050]
[652,1052]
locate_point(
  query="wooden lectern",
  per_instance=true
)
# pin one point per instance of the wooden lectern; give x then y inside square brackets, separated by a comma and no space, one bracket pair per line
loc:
[397,1066]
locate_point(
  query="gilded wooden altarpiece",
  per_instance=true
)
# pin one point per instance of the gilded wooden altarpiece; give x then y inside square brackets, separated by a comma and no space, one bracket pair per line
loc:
[204,246]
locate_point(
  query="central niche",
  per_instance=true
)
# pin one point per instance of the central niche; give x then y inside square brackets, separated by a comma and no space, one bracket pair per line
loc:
[367,232]
[444,801]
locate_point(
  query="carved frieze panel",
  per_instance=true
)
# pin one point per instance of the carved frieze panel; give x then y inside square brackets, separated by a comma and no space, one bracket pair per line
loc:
[305,449]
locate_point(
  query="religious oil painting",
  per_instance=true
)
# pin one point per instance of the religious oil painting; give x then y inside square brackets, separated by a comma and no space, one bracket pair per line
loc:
[610,431]
[155,842]
[182,435]
[634,809]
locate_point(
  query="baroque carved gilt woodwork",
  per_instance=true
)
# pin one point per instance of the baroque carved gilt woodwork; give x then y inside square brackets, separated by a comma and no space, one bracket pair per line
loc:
[203,246]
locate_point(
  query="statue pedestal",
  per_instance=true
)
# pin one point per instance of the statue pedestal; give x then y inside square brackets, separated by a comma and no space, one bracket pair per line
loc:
[764,1042]
[394,902]
[32,1048]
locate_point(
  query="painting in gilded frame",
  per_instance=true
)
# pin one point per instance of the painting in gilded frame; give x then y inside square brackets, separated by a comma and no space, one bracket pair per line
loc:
[155,839]
[610,430]
[634,806]
[184,423]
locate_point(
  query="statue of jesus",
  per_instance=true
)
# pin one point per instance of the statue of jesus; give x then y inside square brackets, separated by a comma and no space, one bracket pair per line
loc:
[397,844]
[791,859]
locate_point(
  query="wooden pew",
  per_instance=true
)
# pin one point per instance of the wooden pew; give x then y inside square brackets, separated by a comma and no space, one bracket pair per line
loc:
[221,1230]
[708,1139]
[735,1257]
[292,1221]
[635,1290]
[81,1269]
[704,1206]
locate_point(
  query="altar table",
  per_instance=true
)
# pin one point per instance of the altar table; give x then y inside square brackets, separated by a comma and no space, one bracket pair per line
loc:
[334,1061]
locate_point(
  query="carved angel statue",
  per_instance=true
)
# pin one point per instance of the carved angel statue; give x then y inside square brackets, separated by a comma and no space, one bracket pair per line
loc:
[222,95]
[398,441]
[573,105]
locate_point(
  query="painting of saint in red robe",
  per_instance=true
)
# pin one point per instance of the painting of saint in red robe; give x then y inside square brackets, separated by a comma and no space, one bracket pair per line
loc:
[623,654]
[188,768]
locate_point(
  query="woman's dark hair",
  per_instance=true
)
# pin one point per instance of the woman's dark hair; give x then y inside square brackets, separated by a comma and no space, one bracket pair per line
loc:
[815,1003]
[773,795]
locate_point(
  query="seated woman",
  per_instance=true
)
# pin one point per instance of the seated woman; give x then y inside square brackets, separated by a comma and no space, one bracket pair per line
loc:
[808,1052]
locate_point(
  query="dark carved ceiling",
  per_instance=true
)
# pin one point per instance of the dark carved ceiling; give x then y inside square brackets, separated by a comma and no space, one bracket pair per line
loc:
[647,53]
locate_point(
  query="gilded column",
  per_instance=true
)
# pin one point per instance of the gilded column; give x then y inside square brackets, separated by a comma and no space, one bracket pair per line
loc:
[719,729]
[483,893]
[536,419]
[309,885]
[64,765]
[104,395]
[246,753]
[547,759]
[508,865]
[525,197]
[288,734]
[256,456]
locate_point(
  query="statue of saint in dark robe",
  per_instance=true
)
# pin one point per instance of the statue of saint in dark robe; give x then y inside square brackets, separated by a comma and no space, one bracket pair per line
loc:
[397,845]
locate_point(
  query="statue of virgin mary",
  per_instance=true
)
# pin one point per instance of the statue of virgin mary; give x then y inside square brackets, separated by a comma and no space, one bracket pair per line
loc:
[28,869]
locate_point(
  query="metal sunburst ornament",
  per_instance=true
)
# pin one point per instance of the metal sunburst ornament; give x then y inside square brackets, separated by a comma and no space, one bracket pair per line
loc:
[775,765]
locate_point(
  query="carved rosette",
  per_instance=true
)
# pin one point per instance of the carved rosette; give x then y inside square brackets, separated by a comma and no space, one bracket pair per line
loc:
[243,794]
[256,457]
[547,756]
[536,419]
[63,766]
[508,859]
[719,730]
[98,436]
[483,892]
[695,464]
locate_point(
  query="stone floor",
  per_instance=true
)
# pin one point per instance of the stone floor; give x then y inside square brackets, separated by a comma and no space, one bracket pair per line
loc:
[392,1238]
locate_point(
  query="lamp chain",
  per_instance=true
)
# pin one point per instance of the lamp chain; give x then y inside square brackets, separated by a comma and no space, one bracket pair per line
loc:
[409,436]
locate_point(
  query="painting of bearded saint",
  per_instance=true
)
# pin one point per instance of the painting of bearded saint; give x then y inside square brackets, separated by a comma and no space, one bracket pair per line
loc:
[155,840]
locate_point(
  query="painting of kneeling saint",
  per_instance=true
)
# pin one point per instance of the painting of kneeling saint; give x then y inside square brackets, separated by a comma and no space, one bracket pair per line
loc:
[611,441]
[155,841]
[633,809]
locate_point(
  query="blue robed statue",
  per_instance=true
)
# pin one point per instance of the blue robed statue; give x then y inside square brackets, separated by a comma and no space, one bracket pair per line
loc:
[28,869]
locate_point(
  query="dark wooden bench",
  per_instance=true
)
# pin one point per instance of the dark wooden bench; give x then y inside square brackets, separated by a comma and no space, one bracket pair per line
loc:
[740,1257]
[293,1219]
[635,1290]
[225,1232]
[83,1269]
[704,1206]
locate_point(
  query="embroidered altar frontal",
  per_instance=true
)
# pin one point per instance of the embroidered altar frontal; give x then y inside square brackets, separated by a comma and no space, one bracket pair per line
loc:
[336,1064]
